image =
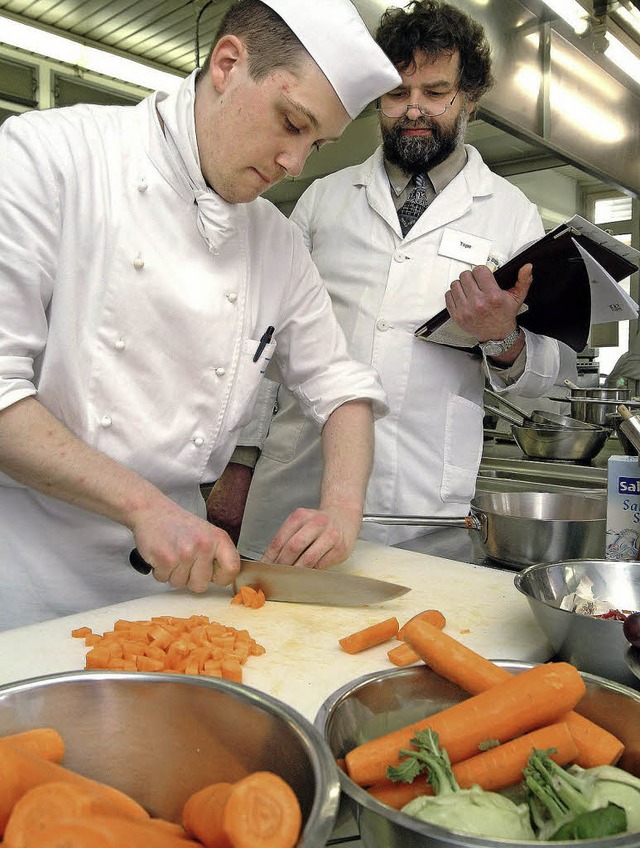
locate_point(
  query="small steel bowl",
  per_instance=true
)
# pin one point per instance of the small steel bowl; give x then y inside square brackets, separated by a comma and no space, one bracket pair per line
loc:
[161,737]
[559,443]
[385,701]
[593,645]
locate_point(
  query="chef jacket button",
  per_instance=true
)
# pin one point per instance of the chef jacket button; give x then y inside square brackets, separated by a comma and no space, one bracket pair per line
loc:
[142,185]
[399,256]
[232,297]
[105,421]
[383,325]
[220,371]
[120,344]
[138,262]
[198,441]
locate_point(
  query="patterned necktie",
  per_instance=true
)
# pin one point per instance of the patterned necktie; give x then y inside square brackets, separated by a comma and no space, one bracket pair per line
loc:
[414,205]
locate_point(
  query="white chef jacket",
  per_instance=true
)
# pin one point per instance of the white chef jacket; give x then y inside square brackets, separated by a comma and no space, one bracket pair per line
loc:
[383,286]
[118,317]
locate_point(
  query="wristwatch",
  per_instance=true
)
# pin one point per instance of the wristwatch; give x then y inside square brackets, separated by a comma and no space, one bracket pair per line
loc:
[496,348]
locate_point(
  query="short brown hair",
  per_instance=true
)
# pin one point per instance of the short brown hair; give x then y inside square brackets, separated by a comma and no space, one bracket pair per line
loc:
[433,27]
[270,42]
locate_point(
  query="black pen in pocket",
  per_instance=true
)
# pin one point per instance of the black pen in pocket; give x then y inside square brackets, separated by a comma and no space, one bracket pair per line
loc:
[264,341]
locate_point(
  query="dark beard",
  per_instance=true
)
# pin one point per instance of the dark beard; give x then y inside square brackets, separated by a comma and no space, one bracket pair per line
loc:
[417,155]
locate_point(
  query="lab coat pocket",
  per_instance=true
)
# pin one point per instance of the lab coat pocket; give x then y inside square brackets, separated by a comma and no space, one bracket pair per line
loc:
[462,449]
[249,378]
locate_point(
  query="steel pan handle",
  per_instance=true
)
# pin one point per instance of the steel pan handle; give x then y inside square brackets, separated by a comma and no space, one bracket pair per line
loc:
[468,522]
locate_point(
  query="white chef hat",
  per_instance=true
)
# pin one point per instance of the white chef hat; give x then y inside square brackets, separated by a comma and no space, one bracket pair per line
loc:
[335,35]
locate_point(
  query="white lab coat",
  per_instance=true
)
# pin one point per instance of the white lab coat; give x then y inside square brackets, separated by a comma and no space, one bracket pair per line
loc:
[428,448]
[116,315]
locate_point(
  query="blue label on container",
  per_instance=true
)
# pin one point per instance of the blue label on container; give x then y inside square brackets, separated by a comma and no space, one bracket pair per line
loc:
[629,485]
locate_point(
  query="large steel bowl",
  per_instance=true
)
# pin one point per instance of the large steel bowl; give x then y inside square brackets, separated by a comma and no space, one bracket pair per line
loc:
[161,737]
[538,441]
[591,644]
[384,701]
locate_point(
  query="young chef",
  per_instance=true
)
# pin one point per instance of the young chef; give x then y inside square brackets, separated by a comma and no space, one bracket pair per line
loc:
[389,267]
[144,288]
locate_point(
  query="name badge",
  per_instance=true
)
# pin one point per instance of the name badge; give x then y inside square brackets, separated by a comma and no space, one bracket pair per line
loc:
[474,250]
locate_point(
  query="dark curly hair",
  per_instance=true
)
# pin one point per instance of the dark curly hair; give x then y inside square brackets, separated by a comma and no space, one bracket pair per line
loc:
[433,27]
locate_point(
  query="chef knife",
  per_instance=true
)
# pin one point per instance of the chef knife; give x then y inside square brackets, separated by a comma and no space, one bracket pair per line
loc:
[303,585]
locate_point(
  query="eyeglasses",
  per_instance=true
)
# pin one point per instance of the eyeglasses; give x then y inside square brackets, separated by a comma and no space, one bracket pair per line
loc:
[393,109]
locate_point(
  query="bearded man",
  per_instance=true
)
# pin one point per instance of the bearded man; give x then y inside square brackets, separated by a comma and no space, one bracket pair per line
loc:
[395,239]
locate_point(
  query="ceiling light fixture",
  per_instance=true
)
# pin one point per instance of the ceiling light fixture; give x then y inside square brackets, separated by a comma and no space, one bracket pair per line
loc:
[572,12]
[605,41]
[16,34]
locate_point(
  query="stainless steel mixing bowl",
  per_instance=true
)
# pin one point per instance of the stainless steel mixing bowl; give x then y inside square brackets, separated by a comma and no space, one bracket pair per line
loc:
[591,644]
[384,701]
[546,442]
[160,737]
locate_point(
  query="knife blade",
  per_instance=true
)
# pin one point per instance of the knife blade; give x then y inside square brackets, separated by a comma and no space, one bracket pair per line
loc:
[294,584]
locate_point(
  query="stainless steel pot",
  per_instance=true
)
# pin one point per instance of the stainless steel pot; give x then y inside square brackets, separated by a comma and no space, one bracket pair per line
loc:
[593,405]
[519,529]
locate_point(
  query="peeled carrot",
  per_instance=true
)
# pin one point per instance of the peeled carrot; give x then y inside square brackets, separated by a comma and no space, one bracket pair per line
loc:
[248,595]
[107,832]
[502,766]
[50,803]
[402,655]
[21,771]
[202,815]
[473,673]
[524,702]
[433,616]
[43,741]
[370,636]
[262,810]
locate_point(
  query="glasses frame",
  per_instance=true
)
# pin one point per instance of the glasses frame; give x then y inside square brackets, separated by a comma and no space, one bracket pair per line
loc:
[417,106]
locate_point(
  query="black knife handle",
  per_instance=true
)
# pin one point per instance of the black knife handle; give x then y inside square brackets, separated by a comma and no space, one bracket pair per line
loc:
[140,564]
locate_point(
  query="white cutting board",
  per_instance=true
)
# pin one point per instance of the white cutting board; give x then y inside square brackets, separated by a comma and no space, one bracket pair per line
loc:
[304,664]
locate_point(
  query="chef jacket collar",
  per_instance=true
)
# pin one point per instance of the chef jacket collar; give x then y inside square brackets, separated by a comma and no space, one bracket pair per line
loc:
[217,219]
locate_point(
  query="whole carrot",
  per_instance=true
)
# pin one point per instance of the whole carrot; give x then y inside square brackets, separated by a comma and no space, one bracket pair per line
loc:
[106,832]
[537,697]
[22,771]
[370,636]
[493,770]
[473,673]
[49,803]
[43,741]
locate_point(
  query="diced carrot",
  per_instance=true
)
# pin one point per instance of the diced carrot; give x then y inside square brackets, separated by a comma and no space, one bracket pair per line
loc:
[433,616]
[259,599]
[81,632]
[526,701]
[473,673]
[231,669]
[45,742]
[148,664]
[248,594]
[376,634]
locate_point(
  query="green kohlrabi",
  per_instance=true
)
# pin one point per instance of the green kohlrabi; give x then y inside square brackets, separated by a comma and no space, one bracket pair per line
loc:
[470,811]
[557,796]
